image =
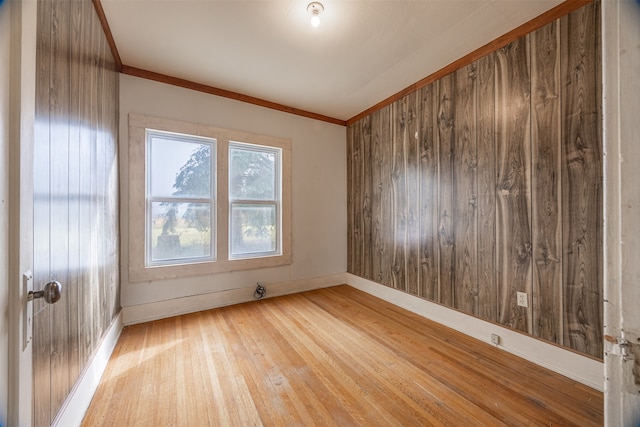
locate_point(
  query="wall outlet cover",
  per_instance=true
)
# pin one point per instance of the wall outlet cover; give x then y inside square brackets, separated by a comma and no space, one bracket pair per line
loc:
[523,300]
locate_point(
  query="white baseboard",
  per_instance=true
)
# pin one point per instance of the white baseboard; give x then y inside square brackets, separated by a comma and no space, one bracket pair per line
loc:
[572,365]
[162,309]
[77,403]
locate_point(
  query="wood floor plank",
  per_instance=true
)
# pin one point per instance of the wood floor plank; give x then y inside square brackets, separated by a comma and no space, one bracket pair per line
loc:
[329,357]
[364,363]
[504,367]
[446,372]
[332,380]
[507,366]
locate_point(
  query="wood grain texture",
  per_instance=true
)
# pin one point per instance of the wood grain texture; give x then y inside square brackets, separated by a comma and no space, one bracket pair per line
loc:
[465,191]
[93,160]
[581,181]
[353,202]
[76,40]
[598,180]
[446,214]
[86,86]
[334,356]
[509,190]
[75,197]
[486,170]
[101,162]
[377,224]
[365,185]
[428,183]
[351,209]
[112,170]
[546,183]
[513,196]
[412,182]
[41,228]
[399,195]
[387,192]
[59,115]
[385,243]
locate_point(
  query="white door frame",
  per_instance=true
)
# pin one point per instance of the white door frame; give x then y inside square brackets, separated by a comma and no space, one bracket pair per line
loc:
[621,106]
[21,130]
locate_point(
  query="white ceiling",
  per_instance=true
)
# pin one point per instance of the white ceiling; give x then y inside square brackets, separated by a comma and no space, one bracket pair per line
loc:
[362,53]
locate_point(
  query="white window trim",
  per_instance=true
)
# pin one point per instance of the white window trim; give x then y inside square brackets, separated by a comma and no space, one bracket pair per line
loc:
[212,199]
[138,272]
[277,201]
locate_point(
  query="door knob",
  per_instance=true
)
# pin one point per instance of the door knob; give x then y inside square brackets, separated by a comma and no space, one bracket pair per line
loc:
[51,292]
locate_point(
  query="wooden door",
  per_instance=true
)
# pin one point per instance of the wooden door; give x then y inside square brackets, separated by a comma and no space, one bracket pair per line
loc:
[75,197]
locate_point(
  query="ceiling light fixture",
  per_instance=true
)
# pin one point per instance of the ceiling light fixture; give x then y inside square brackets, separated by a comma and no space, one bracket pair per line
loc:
[315,9]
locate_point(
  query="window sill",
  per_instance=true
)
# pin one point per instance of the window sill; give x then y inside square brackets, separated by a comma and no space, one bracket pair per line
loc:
[163,272]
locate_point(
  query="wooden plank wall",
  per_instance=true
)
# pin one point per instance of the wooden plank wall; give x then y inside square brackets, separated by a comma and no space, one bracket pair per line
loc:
[75,196]
[488,182]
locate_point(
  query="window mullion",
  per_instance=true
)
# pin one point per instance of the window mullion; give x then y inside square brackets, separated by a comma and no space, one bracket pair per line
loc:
[253,202]
[181,199]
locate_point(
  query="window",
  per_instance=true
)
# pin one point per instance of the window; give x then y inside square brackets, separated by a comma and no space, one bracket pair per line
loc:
[180,198]
[205,200]
[254,199]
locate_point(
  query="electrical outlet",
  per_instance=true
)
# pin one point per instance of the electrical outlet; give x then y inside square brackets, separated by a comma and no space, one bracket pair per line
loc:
[523,300]
[495,339]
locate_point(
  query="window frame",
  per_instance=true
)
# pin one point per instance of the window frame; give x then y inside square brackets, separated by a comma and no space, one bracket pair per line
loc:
[137,214]
[150,198]
[277,201]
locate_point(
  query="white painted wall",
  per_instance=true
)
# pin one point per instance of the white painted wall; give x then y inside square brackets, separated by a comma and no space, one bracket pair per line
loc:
[621,104]
[5,40]
[319,225]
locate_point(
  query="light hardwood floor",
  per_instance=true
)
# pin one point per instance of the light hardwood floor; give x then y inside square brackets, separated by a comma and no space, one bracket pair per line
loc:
[334,356]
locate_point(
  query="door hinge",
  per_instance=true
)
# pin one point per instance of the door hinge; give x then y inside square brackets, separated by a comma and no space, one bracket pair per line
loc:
[628,348]
[619,346]
[625,348]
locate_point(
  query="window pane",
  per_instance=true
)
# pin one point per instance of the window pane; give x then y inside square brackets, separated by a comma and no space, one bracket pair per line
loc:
[253,229]
[252,174]
[179,167]
[180,231]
